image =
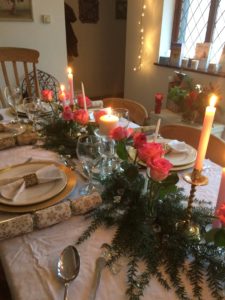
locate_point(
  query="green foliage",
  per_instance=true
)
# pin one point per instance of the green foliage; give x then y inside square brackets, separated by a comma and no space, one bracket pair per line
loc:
[61,136]
[157,241]
[177,94]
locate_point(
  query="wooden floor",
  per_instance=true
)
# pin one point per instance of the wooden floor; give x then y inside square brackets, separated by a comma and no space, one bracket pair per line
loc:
[4,289]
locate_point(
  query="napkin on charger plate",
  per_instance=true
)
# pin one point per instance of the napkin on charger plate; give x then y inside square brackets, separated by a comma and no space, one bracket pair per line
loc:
[48,216]
[176,146]
[11,188]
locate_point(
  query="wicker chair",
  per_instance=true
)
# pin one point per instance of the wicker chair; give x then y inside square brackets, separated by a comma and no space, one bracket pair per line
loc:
[191,136]
[137,112]
[45,81]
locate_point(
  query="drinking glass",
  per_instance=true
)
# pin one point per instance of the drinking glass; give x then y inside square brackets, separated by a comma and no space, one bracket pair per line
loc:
[89,149]
[13,96]
[33,108]
[123,115]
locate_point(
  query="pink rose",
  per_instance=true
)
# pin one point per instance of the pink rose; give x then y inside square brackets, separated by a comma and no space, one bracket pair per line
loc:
[159,168]
[150,150]
[139,139]
[121,133]
[81,116]
[47,95]
[221,214]
[67,113]
[98,114]
[80,101]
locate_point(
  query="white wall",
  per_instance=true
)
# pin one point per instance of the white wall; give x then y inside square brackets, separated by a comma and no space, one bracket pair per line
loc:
[48,39]
[101,46]
[142,85]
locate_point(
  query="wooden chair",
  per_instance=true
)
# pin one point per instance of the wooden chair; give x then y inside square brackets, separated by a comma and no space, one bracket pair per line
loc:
[137,112]
[191,136]
[16,63]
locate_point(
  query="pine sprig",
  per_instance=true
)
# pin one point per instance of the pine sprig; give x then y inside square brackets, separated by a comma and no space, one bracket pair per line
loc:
[157,241]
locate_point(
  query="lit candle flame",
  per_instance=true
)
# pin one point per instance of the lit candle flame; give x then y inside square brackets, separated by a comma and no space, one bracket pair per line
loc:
[62,87]
[69,70]
[213,100]
[109,110]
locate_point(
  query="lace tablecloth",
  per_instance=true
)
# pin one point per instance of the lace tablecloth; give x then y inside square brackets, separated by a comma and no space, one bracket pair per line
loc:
[30,260]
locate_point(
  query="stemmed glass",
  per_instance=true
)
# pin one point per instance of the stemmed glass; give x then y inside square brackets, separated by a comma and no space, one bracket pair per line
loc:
[123,115]
[89,149]
[13,96]
[33,108]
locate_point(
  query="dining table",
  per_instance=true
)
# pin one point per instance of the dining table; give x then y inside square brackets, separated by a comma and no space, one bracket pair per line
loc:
[30,260]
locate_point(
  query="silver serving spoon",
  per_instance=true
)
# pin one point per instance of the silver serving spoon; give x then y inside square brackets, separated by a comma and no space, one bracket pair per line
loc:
[68,266]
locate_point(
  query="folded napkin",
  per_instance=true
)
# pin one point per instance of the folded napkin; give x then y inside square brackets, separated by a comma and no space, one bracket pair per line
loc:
[177,146]
[11,188]
[7,142]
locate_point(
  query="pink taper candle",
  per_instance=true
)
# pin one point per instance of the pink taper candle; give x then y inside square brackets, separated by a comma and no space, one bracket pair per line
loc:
[70,79]
[84,96]
[221,195]
[205,134]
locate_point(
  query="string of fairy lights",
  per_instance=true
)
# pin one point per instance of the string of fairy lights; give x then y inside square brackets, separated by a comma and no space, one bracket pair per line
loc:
[141,38]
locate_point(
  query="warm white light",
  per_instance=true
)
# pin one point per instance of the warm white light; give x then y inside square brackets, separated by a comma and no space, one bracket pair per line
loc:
[135,69]
[142,30]
[69,70]
[144,6]
[62,87]
[213,100]
[143,14]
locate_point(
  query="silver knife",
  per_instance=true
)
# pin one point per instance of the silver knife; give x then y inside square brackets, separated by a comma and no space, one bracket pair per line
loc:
[100,264]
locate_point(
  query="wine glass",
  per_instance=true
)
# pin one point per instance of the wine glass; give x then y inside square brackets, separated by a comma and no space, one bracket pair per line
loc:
[33,108]
[13,96]
[123,115]
[89,148]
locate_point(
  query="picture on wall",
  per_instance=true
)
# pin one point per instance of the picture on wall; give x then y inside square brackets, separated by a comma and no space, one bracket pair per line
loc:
[16,10]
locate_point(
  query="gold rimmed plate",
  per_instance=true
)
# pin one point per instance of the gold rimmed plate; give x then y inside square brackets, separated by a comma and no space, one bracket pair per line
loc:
[69,186]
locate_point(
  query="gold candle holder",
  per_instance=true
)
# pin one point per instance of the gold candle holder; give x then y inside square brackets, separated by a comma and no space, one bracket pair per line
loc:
[195,179]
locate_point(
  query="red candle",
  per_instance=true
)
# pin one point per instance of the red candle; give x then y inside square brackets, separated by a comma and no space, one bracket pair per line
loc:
[70,79]
[205,134]
[62,93]
[158,102]
[221,195]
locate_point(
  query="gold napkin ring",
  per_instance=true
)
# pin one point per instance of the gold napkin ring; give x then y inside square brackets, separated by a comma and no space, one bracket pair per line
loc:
[30,180]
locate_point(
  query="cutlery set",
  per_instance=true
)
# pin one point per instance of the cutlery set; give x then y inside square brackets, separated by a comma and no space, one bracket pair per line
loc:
[69,266]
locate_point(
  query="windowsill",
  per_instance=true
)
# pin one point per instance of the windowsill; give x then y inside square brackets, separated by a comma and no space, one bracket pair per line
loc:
[190,70]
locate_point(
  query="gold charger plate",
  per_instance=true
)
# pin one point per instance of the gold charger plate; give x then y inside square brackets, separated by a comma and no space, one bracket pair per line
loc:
[71,183]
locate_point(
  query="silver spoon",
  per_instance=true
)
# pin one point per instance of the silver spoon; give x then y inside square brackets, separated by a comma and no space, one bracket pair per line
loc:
[68,267]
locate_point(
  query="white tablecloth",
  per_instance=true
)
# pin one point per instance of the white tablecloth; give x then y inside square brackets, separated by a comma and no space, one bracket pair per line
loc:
[30,260]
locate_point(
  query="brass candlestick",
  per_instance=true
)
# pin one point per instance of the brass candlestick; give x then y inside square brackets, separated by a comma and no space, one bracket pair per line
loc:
[195,179]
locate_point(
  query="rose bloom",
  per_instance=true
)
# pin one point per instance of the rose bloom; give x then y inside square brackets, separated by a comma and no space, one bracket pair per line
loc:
[47,95]
[159,168]
[221,214]
[139,139]
[81,116]
[121,133]
[67,113]
[80,101]
[98,114]
[150,150]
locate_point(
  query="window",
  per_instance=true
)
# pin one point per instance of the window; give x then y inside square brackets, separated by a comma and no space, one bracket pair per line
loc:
[199,21]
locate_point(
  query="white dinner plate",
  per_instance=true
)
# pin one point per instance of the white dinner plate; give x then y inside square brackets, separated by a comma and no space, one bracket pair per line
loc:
[12,130]
[180,161]
[37,193]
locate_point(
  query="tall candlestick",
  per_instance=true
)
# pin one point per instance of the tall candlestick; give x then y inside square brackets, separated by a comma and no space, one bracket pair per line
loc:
[83,95]
[221,195]
[70,79]
[205,134]
[157,130]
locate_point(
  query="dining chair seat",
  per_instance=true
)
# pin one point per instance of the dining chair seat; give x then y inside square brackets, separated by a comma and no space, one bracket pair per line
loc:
[191,136]
[16,63]
[137,112]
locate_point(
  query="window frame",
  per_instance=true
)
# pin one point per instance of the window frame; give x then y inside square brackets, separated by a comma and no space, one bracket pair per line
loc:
[210,24]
